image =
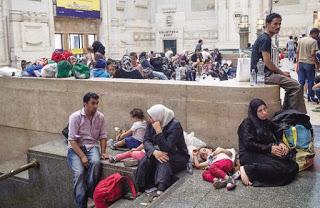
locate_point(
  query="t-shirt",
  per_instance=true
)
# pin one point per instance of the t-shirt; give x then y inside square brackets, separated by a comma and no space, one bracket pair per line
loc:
[215,158]
[262,44]
[183,72]
[306,45]
[139,129]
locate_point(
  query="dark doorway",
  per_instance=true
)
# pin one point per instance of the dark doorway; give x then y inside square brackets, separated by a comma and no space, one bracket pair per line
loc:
[170,45]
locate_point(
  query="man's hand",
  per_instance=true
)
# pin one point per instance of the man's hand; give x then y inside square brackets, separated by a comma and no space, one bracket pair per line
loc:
[157,127]
[284,148]
[276,150]
[85,161]
[161,156]
[104,156]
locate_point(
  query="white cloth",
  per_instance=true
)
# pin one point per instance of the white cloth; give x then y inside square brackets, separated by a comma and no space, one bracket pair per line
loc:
[161,113]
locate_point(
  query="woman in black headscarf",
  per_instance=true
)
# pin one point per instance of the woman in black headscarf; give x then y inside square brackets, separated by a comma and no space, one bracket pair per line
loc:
[264,159]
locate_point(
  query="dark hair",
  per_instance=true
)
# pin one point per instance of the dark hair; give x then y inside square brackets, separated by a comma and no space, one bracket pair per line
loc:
[89,95]
[314,30]
[142,54]
[272,16]
[197,50]
[207,147]
[200,41]
[137,113]
[134,54]
[290,37]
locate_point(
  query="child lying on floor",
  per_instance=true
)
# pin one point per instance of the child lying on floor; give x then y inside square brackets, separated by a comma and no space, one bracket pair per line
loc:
[133,137]
[218,166]
[136,154]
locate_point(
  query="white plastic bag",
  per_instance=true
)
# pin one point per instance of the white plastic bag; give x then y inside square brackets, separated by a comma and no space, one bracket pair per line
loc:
[9,72]
[243,69]
[191,140]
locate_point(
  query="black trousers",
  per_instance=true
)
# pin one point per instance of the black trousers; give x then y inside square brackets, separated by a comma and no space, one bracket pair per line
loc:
[151,173]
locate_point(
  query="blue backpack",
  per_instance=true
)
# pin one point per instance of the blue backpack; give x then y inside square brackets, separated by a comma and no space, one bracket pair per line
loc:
[297,137]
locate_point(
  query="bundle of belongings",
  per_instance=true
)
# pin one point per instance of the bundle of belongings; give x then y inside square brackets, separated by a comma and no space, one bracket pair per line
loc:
[297,135]
[62,65]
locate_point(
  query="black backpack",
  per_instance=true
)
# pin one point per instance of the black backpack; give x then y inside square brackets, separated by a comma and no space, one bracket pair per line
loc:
[65,133]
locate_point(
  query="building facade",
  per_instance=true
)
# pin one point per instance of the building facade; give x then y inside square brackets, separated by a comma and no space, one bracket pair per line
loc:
[30,29]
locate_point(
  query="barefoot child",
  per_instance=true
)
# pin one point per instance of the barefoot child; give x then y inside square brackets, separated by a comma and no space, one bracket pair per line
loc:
[218,166]
[133,137]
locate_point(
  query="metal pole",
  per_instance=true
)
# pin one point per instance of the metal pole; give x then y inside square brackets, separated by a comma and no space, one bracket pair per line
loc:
[32,164]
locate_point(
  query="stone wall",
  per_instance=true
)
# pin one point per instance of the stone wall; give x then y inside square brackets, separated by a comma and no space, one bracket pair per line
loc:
[213,112]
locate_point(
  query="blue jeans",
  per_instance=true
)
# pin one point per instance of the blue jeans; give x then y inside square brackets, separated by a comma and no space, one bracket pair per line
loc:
[84,179]
[291,54]
[159,75]
[131,142]
[307,72]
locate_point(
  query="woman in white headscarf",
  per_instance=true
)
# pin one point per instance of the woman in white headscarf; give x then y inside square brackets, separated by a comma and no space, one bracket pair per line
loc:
[166,150]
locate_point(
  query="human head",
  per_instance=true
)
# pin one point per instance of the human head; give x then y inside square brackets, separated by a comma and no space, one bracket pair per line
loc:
[90,102]
[160,113]
[273,23]
[72,60]
[137,114]
[314,33]
[200,41]
[143,55]
[197,51]
[206,49]
[290,37]
[204,152]
[98,47]
[258,110]
[134,57]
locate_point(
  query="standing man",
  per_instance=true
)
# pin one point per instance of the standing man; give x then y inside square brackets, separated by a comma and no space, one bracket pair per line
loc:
[290,48]
[307,62]
[86,129]
[273,75]
[199,45]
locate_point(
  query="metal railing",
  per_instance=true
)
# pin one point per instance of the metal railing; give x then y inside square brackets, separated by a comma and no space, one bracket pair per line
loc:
[32,164]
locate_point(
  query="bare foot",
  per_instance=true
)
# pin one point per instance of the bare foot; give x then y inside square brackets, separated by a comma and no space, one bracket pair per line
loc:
[244,177]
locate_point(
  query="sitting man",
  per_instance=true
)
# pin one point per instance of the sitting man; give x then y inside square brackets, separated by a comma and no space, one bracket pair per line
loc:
[273,75]
[86,129]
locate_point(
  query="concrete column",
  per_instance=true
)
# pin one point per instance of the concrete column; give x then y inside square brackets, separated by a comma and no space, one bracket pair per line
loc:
[4,54]
[244,37]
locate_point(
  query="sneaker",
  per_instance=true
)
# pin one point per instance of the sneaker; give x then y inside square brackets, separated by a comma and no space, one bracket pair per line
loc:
[189,168]
[236,175]
[130,163]
[112,159]
[314,100]
[231,184]
[109,142]
[218,184]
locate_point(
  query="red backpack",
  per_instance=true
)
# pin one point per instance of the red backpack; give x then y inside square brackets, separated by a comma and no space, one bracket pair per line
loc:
[110,189]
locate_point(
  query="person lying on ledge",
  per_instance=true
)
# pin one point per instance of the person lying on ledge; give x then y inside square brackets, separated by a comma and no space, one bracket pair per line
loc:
[264,159]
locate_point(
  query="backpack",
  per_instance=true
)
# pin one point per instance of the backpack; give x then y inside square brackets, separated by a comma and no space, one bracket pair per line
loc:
[111,189]
[297,137]
[300,139]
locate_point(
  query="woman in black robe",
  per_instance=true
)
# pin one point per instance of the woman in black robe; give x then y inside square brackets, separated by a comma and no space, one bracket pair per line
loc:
[166,151]
[264,159]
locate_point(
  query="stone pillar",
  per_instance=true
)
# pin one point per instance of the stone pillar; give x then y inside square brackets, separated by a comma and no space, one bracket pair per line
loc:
[244,37]
[4,54]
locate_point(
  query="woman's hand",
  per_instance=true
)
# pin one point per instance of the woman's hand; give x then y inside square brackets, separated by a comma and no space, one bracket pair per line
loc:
[104,156]
[161,156]
[157,127]
[284,148]
[195,152]
[276,150]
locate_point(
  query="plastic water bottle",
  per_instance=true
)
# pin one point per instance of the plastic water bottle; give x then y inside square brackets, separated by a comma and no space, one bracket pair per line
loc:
[260,74]
[178,75]
[253,77]
[91,73]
